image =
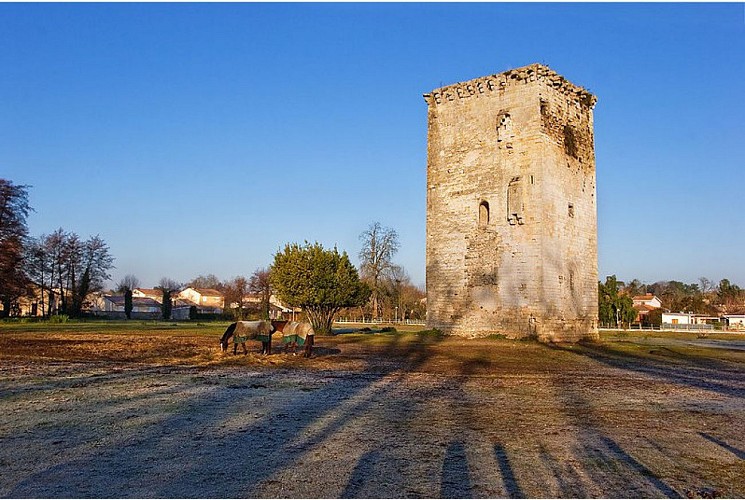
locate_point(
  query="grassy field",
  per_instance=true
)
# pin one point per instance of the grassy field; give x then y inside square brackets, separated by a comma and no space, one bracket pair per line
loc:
[109,326]
[143,409]
[683,335]
[112,327]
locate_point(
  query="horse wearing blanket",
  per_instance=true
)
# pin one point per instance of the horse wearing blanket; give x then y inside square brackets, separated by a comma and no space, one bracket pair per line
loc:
[242,331]
[296,334]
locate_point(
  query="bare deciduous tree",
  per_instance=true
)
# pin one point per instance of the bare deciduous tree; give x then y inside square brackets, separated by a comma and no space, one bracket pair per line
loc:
[209,281]
[14,209]
[379,245]
[93,267]
[260,284]
[706,285]
[129,282]
[167,286]
[68,269]
[235,291]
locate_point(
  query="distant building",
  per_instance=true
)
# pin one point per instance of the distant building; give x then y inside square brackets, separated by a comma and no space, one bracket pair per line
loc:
[734,321]
[181,309]
[35,303]
[207,300]
[647,300]
[644,304]
[677,319]
[112,306]
[150,293]
[277,310]
[705,319]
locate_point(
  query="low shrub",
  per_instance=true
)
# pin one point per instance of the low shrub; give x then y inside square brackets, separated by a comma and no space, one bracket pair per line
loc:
[59,318]
[388,329]
[14,319]
[433,333]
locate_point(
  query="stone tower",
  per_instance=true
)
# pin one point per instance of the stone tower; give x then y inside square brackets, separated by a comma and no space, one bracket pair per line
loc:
[511,209]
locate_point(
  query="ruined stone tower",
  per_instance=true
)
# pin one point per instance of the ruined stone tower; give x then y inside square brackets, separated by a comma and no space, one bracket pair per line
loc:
[511,209]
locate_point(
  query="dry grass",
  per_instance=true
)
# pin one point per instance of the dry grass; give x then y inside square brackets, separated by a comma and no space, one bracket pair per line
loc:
[160,411]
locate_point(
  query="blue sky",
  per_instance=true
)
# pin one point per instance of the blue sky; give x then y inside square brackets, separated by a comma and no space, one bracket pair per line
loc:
[200,138]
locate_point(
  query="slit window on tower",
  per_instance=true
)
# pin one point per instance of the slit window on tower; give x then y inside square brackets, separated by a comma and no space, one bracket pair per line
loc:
[483,214]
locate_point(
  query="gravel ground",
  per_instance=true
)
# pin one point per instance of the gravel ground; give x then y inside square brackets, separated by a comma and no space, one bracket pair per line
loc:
[127,416]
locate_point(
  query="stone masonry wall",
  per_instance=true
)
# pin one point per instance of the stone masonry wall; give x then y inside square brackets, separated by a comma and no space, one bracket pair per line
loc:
[511,209]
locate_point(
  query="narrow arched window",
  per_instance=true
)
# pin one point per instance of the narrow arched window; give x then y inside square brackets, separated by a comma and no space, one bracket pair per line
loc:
[483,214]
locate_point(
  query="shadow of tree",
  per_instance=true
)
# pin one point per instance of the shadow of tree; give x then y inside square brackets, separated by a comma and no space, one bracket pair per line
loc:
[242,434]
[455,477]
[365,468]
[508,475]
[568,479]
[735,451]
[610,468]
[223,441]
[723,378]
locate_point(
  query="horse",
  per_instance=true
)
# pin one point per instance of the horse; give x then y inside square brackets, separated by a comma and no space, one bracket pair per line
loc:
[296,334]
[241,331]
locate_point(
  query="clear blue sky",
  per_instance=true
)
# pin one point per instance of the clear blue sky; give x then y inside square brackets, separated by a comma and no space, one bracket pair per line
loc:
[199,138]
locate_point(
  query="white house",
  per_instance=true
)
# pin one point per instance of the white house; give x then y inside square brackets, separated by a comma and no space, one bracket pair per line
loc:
[735,321]
[703,319]
[112,306]
[647,300]
[677,318]
[115,303]
[150,293]
[207,300]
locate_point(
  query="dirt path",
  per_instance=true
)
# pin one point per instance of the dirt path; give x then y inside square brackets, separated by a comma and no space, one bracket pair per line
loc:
[370,416]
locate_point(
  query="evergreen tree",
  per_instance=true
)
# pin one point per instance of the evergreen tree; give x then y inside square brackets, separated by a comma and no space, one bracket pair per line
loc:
[128,303]
[167,287]
[320,281]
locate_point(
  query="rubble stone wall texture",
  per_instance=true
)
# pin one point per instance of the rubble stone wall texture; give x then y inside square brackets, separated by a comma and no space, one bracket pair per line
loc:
[511,207]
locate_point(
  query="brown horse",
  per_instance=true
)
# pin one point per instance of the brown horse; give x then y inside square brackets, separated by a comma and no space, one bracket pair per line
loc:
[241,331]
[296,334]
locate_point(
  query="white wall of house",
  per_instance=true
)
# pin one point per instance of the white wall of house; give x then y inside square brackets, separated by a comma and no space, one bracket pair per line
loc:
[702,319]
[735,319]
[151,293]
[196,297]
[676,318]
[110,306]
[652,302]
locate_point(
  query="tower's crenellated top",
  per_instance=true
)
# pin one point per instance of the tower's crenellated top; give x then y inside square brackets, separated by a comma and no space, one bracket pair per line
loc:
[519,76]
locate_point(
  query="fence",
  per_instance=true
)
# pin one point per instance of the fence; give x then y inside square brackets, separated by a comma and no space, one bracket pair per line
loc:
[664,327]
[693,328]
[370,321]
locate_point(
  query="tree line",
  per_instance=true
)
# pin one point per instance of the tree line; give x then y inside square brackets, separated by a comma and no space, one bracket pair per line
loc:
[322,282]
[615,304]
[59,270]
[66,269]
[61,267]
